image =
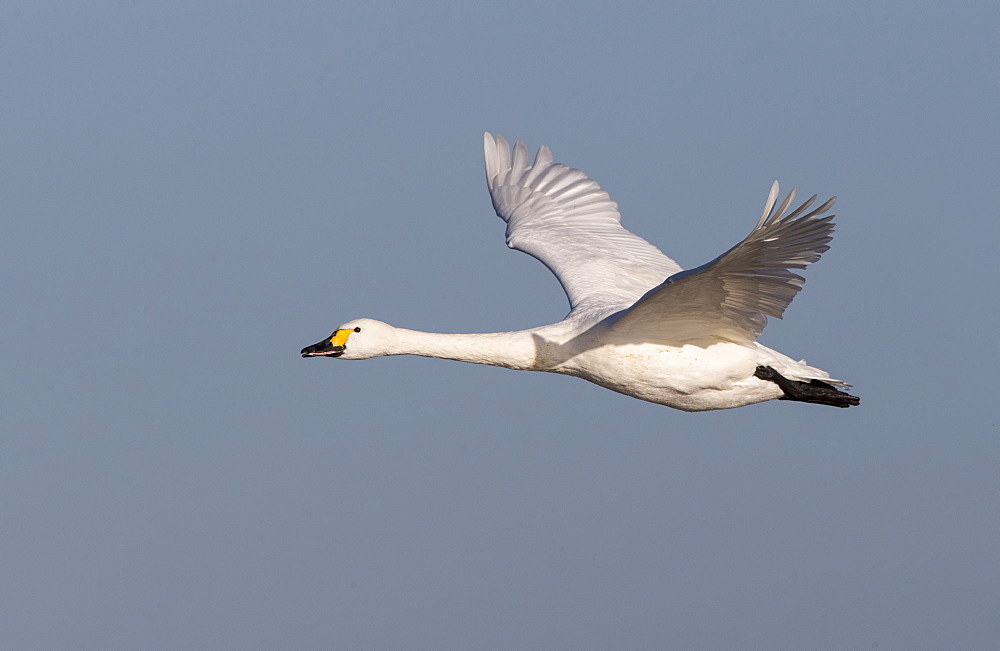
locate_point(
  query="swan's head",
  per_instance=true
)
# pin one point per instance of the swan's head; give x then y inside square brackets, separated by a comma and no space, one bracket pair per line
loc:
[358,339]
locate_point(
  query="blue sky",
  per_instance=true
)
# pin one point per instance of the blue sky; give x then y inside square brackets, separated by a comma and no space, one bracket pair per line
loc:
[191,192]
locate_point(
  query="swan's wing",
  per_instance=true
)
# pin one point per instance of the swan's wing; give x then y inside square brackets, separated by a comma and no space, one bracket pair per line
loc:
[731,297]
[560,216]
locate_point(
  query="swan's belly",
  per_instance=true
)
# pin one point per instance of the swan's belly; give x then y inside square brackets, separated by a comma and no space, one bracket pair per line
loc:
[691,378]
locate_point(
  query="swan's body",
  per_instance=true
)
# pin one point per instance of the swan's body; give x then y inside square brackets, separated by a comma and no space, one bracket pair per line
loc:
[638,324]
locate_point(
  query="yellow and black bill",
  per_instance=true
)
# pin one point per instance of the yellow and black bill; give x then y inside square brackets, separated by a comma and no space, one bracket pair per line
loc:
[333,346]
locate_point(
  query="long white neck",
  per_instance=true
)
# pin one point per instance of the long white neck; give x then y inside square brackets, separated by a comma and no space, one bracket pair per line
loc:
[517,350]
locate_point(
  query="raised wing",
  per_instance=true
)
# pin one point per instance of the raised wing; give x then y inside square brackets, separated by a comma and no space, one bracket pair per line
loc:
[731,297]
[564,219]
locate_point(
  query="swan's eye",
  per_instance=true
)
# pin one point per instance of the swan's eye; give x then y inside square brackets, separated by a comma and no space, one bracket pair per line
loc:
[357,330]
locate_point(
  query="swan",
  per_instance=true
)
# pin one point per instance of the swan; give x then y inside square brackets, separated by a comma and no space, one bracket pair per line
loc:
[638,324]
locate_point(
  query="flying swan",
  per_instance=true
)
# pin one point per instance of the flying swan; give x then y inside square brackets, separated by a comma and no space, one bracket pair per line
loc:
[638,324]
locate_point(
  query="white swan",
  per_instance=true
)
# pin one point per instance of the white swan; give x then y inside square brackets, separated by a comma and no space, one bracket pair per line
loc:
[638,324]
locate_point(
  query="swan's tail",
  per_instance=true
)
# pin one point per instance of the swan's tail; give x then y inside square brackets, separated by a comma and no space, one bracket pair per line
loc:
[814,391]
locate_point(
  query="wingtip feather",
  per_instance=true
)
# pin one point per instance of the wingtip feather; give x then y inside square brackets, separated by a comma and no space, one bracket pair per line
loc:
[490,154]
[769,204]
[543,157]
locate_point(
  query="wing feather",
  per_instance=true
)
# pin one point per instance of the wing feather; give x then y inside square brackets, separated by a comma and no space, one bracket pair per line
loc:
[564,219]
[731,297]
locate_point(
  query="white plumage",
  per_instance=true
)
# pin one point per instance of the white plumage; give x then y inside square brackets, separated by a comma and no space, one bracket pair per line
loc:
[638,324]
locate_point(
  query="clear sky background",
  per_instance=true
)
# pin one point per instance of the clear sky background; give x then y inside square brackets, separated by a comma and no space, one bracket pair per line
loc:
[192,192]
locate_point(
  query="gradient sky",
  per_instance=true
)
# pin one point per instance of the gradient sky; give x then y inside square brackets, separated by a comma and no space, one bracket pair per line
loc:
[192,192]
